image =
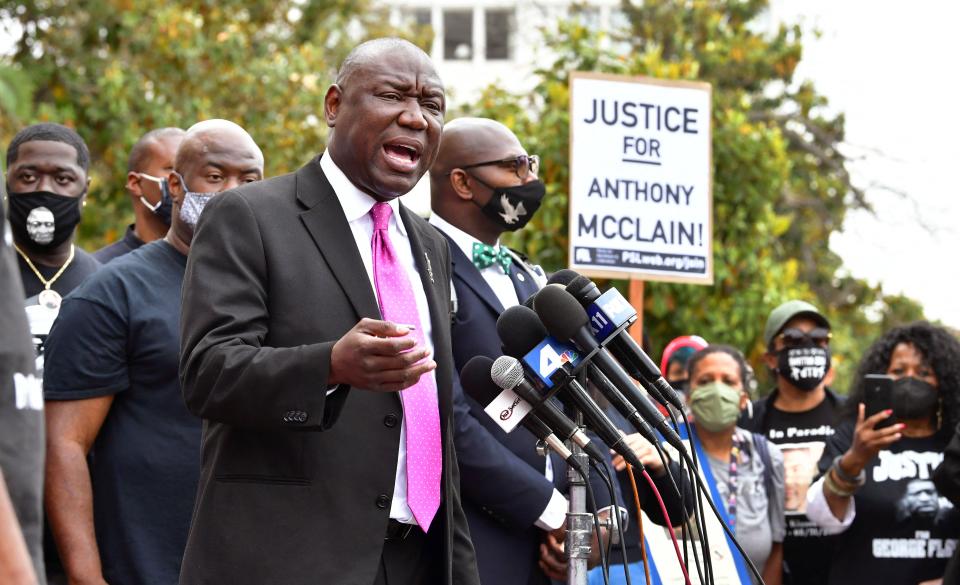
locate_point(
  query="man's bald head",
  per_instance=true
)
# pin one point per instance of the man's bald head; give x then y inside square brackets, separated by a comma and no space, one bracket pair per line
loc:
[371,53]
[215,135]
[472,140]
[478,168]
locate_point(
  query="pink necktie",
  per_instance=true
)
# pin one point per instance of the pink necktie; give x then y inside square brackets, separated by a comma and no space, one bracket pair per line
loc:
[420,410]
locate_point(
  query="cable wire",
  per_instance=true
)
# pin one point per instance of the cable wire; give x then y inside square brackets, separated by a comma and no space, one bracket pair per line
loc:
[673,537]
[643,543]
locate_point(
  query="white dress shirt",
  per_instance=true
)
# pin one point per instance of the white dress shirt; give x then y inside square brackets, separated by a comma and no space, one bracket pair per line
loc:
[356,207]
[501,283]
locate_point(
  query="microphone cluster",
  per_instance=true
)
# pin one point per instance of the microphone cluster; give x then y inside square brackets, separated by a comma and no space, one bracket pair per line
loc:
[567,337]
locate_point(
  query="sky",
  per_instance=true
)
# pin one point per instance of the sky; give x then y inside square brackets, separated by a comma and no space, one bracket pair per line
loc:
[890,67]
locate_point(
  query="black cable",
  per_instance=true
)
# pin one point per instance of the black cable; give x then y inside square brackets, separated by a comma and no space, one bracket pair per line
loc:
[716,512]
[686,516]
[592,502]
[605,476]
[699,494]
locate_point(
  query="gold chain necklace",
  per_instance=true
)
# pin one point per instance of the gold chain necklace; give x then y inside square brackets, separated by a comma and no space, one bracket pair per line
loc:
[48,297]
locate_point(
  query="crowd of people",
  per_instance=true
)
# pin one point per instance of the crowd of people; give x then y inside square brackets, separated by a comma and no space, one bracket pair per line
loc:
[258,383]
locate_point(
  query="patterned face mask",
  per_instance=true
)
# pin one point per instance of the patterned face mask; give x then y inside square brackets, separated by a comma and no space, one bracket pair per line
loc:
[193,204]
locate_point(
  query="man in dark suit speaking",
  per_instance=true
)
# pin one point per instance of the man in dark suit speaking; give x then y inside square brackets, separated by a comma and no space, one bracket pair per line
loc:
[316,346]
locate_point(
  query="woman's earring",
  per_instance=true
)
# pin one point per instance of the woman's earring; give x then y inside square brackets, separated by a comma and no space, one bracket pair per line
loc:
[749,408]
[940,414]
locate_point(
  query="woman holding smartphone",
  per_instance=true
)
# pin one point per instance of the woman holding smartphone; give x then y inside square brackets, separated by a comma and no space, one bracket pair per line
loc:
[876,486]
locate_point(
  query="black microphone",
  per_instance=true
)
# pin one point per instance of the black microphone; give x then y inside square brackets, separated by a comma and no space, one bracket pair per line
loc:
[507,373]
[564,318]
[476,381]
[563,277]
[623,347]
[619,402]
[521,331]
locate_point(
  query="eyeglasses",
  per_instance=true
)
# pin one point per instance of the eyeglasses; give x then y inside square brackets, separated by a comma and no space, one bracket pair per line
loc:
[794,337]
[523,165]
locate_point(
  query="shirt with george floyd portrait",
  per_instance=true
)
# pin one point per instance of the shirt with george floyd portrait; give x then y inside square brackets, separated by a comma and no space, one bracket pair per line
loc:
[903,531]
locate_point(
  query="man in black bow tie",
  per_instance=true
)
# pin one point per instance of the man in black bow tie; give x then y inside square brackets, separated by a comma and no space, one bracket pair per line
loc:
[484,184]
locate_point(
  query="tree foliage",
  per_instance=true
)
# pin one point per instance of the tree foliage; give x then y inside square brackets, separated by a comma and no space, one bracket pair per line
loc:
[115,69]
[781,186]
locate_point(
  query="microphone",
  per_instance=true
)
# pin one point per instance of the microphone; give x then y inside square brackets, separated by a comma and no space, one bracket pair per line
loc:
[623,347]
[524,337]
[507,373]
[563,317]
[475,379]
[618,401]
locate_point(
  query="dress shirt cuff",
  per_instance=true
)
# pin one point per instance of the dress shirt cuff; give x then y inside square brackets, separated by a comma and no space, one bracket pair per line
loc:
[332,389]
[818,511]
[555,513]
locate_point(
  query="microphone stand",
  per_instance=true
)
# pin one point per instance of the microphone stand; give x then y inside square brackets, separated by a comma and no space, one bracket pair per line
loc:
[579,521]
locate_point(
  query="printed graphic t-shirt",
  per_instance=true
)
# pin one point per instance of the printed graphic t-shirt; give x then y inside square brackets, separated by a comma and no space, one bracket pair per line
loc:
[801,437]
[903,532]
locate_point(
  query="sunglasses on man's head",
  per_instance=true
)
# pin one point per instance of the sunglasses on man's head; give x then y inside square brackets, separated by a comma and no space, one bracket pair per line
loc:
[793,337]
[522,165]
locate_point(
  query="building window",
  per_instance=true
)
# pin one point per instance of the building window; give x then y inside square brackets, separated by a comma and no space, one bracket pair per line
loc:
[420,16]
[458,35]
[499,36]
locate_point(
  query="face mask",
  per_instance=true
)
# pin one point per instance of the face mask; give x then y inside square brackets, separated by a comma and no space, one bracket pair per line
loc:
[914,398]
[715,406]
[163,208]
[682,386]
[512,207]
[193,204]
[804,367]
[43,220]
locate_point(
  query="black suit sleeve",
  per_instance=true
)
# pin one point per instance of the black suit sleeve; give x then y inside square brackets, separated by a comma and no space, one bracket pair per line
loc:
[227,373]
[494,478]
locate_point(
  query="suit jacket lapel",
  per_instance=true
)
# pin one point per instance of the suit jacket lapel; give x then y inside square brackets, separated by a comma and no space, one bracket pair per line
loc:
[464,269]
[522,283]
[327,224]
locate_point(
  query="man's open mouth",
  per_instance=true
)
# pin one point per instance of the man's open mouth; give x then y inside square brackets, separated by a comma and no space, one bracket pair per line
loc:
[402,157]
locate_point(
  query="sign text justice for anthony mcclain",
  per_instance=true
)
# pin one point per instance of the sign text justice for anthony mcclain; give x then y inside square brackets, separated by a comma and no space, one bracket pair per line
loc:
[640,184]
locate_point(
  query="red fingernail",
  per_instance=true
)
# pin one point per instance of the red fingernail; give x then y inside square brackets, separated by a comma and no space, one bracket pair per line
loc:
[888,412]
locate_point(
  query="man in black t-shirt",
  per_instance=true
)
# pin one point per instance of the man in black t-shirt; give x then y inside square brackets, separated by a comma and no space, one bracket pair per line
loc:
[150,162]
[112,390]
[47,183]
[21,432]
[799,415]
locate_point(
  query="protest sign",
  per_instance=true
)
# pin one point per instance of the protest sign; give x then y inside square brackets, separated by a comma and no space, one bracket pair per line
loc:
[641,196]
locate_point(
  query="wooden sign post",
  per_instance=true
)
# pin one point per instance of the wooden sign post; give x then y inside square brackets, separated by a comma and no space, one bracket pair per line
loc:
[636,301]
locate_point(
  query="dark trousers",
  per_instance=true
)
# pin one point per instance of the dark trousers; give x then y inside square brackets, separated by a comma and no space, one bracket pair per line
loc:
[411,560]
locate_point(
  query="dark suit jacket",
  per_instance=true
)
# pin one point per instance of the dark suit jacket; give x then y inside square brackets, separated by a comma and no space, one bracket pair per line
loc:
[273,280]
[503,486]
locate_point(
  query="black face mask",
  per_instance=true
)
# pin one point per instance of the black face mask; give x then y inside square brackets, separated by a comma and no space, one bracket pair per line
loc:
[681,386]
[512,207]
[804,367]
[43,220]
[914,398]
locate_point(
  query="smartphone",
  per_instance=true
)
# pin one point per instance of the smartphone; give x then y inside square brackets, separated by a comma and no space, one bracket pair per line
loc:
[878,396]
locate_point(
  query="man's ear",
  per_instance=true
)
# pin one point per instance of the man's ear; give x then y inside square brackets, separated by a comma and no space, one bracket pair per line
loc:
[460,181]
[176,188]
[331,104]
[770,359]
[133,185]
